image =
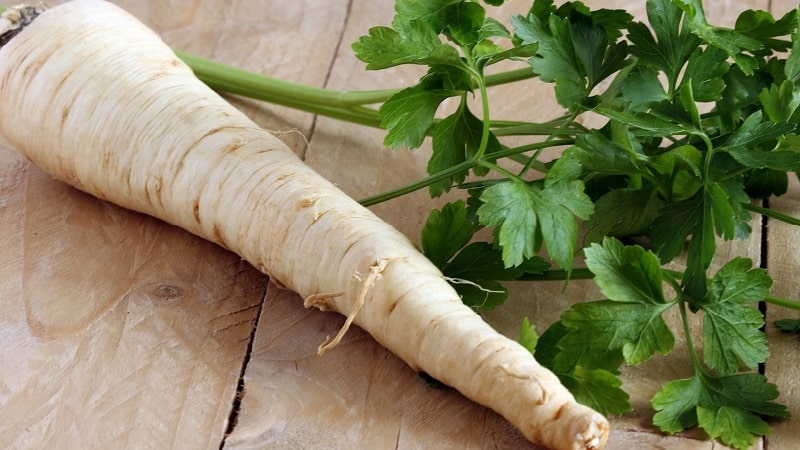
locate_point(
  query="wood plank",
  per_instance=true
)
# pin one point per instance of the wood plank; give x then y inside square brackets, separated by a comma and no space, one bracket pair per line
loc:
[120,331]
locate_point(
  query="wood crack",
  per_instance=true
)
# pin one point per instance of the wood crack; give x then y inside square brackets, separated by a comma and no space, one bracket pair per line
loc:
[328,73]
[233,416]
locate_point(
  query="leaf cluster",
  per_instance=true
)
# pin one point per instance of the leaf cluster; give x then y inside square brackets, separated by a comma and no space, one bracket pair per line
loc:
[698,120]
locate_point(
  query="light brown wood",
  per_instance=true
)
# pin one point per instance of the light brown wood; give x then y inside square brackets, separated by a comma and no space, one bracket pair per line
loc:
[119,331]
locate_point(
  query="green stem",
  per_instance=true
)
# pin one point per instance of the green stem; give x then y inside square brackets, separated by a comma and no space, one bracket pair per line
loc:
[419,184]
[688,334]
[785,302]
[341,105]
[509,76]
[452,171]
[771,213]
[250,82]
[507,173]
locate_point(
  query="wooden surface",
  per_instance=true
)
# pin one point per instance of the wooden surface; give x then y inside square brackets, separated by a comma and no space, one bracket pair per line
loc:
[118,331]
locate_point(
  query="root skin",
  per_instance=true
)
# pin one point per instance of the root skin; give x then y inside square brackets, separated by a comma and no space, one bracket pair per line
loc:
[132,125]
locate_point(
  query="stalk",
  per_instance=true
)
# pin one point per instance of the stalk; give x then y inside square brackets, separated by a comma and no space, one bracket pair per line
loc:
[784,302]
[456,169]
[771,213]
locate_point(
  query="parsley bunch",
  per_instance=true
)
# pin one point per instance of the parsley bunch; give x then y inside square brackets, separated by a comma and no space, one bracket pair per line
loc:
[698,120]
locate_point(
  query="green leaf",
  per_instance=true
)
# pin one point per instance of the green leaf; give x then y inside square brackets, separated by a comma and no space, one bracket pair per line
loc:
[744,144]
[792,67]
[482,261]
[456,139]
[464,23]
[597,388]
[622,213]
[788,325]
[573,52]
[648,124]
[527,335]
[434,13]
[445,232]
[755,131]
[730,219]
[625,273]
[510,207]
[672,44]
[731,427]
[780,102]
[408,114]
[493,28]
[740,92]
[763,183]
[732,42]
[761,25]
[642,87]
[600,154]
[687,403]
[413,43]
[524,214]
[477,270]
[600,329]
[480,293]
[674,224]
[731,330]
[557,61]
[704,71]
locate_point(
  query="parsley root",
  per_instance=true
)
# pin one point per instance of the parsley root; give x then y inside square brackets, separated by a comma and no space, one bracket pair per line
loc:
[97,100]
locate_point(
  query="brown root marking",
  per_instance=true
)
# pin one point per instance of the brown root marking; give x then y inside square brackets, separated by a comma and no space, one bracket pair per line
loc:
[375,271]
[309,202]
[196,211]
[218,236]
[321,301]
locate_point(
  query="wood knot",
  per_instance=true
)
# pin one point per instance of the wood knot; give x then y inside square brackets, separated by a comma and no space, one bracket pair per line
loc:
[167,292]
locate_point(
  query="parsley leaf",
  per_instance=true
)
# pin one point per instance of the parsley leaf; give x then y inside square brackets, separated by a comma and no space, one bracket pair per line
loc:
[788,325]
[745,142]
[714,403]
[621,213]
[732,42]
[409,114]
[474,269]
[445,232]
[574,53]
[411,42]
[527,335]
[598,388]
[457,138]
[625,273]
[731,330]
[672,44]
[602,328]
[762,26]
[630,320]
[525,214]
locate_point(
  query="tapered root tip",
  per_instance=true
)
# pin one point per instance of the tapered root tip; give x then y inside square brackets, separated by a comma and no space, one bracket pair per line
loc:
[16,18]
[595,435]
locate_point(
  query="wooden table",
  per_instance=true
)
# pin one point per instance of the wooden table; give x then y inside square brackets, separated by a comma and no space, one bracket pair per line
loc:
[118,331]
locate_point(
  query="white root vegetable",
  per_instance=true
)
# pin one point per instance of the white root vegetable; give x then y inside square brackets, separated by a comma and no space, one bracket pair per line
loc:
[96,99]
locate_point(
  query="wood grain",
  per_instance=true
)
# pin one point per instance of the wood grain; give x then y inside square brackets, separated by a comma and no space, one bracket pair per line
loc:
[119,331]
